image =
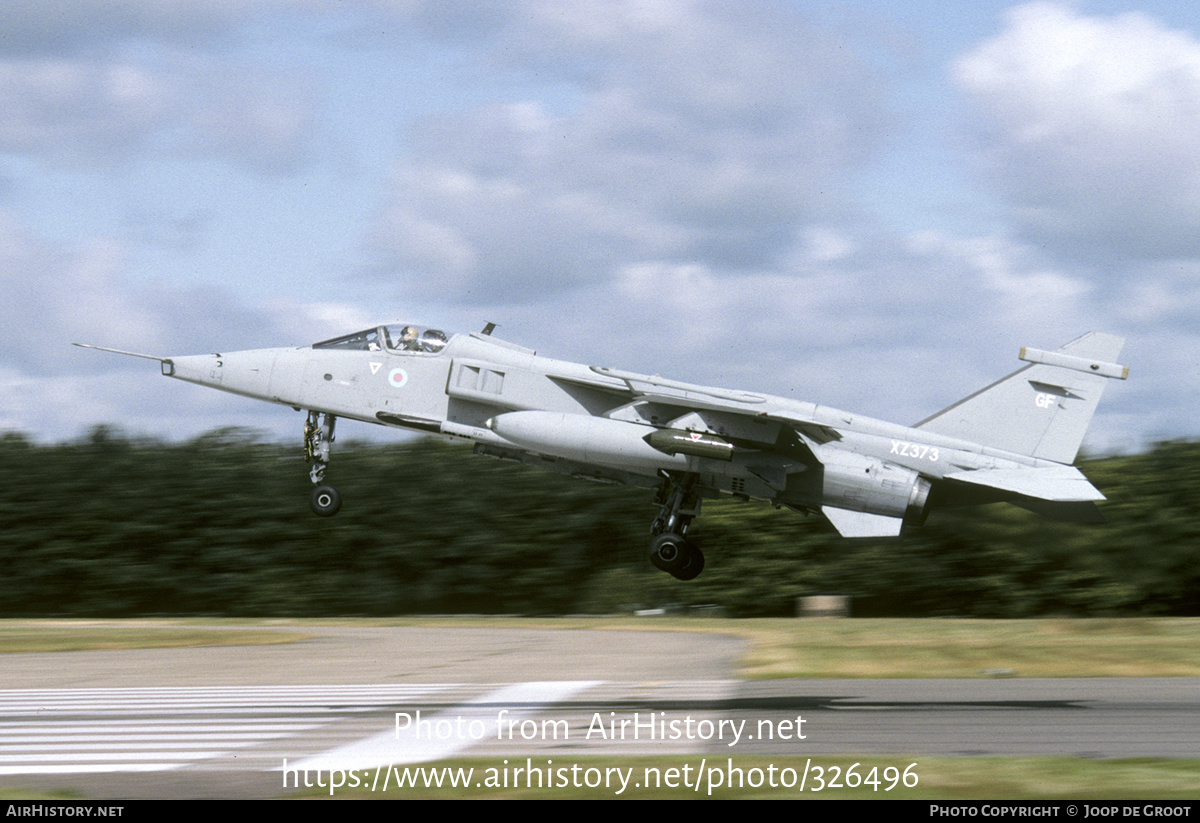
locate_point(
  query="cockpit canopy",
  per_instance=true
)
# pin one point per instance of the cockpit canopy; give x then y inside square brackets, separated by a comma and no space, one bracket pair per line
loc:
[400,338]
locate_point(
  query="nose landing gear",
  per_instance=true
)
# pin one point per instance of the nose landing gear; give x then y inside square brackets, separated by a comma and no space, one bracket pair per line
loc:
[669,551]
[318,438]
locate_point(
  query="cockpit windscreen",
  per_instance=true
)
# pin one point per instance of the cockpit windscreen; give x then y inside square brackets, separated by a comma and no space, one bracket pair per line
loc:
[399,338]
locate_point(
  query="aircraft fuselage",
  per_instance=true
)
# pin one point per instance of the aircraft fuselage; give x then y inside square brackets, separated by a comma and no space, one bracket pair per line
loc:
[867,476]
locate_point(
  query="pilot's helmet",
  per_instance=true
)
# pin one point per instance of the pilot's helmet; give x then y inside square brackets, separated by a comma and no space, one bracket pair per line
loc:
[433,340]
[408,337]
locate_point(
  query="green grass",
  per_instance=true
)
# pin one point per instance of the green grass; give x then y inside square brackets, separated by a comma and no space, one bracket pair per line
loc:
[776,648]
[878,648]
[58,795]
[917,647]
[91,635]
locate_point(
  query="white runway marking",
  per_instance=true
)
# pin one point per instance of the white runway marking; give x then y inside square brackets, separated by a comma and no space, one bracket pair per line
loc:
[258,729]
[421,743]
[71,731]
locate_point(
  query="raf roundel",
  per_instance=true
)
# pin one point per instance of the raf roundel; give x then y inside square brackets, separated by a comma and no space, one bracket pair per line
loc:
[398,377]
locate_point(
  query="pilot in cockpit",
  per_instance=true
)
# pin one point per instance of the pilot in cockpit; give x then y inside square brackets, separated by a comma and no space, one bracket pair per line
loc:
[409,339]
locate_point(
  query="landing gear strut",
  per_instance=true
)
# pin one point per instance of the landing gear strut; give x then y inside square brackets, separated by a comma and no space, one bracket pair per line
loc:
[669,551]
[318,437]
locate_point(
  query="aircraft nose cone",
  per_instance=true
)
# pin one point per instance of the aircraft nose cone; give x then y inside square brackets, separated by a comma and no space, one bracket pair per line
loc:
[204,369]
[246,372]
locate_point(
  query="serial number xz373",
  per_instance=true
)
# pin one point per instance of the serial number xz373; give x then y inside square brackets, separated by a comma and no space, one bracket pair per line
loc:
[914,450]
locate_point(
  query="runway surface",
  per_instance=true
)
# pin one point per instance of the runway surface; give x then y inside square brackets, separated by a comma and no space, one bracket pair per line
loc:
[226,721]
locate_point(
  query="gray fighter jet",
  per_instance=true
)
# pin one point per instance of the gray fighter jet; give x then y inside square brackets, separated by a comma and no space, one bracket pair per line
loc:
[1012,441]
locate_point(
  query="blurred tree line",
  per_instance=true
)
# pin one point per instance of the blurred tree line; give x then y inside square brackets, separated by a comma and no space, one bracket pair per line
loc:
[220,525]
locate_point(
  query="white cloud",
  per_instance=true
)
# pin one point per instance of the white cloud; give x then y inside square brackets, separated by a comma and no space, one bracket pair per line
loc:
[1011,274]
[1090,126]
[73,109]
[692,133]
[92,89]
[826,245]
[58,294]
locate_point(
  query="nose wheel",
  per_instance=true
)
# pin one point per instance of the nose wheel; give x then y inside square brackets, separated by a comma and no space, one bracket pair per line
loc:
[325,501]
[318,438]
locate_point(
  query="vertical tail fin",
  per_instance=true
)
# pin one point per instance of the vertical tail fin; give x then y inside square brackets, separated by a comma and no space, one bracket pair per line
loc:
[1043,409]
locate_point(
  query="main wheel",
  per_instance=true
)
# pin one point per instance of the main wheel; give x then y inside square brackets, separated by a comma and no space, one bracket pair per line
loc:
[669,552]
[325,501]
[693,565]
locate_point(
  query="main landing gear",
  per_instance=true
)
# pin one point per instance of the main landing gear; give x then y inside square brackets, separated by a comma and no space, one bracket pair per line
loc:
[669,551]
[318,437]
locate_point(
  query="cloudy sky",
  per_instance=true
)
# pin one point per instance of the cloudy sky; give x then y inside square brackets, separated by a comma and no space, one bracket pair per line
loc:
[871,205]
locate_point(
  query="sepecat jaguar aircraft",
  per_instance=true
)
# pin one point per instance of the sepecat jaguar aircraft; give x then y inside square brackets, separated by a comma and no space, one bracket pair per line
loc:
[1013,441]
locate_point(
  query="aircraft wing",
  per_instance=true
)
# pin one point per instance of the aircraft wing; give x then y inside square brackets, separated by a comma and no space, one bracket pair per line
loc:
[693,397]
[641,385]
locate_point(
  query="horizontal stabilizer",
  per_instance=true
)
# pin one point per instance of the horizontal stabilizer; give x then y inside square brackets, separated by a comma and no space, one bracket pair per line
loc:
[1064,484]
[1065,512]
[860,524]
